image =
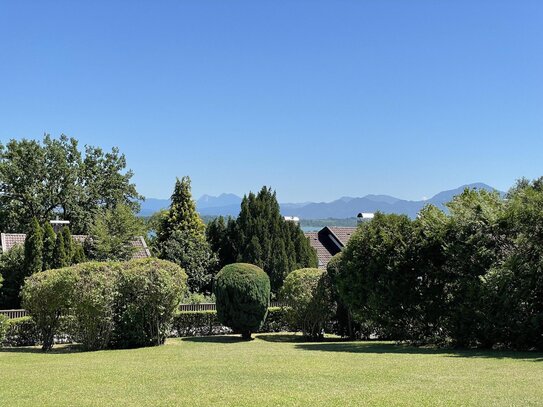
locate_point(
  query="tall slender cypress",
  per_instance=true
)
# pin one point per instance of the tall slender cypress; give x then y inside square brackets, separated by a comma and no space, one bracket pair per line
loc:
[60,259]
[68,245]
[49,239]
[34,249]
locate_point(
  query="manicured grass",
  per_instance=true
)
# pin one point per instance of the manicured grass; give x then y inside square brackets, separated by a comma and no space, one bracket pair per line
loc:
[272,370]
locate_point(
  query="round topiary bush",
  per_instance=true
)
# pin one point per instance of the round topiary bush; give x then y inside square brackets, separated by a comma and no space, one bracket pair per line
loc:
[243,296]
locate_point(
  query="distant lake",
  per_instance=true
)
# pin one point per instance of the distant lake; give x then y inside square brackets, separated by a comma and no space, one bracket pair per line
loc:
[311,228]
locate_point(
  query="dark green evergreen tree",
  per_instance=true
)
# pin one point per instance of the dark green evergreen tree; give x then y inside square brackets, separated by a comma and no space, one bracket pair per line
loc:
[12,269]
[113,233]
[68,245]
[216,237]
[60,258]
[181,239]
[79,254]
[260,235]
[182,215]
[49,239]
[34,249]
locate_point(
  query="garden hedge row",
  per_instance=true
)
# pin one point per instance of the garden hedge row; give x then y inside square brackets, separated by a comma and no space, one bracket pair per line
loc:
[202,323]
[108,304]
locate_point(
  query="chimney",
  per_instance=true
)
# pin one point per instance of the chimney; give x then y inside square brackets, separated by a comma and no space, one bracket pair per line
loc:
[59,224]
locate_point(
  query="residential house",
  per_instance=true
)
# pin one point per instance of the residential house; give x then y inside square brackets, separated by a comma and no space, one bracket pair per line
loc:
[9,240]
[329,241]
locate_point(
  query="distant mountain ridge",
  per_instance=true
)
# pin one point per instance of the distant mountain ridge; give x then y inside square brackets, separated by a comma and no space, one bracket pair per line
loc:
[344,207]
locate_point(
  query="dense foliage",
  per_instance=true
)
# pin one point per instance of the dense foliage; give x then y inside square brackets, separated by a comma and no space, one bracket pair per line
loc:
[33,249]
[112,234]
[52,251]
[53,177]
[92,309]
[13,272]
[180,238]
[47,295]
[203,323]
[111,304]
[4,325]
[243,296]
[21,332]
[148,293]
[49,242]
[308,299]
[471,277]
[261,236]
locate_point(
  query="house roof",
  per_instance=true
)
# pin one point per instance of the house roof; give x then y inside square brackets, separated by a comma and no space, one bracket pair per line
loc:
[329,241]
[9,240]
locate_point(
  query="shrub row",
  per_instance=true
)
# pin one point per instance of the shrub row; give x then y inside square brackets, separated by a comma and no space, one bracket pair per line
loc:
[119,305]
[202,323]
[24,331]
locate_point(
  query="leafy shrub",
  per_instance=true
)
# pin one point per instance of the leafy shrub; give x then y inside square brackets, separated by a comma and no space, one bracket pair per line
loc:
[48,295]
[148,294]
[197,298]
[193,254]
[197,323]
[4,325]
[13,271]
[93,310]
[276,321]
[307,294]
[243,296]
[203,323]
[22,332]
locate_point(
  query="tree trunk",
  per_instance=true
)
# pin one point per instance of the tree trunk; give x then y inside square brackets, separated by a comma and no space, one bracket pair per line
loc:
[246,335]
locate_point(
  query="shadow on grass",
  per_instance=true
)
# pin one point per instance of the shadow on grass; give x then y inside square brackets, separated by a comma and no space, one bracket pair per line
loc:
[385,348]
[293,338]
[215,339]
[57,349]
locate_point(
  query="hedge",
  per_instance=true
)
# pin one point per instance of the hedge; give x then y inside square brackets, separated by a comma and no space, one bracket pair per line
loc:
[203,323]
[24,332]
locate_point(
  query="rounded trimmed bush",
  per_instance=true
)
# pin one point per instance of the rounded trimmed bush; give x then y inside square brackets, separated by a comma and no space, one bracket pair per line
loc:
[307,294]
[243,296]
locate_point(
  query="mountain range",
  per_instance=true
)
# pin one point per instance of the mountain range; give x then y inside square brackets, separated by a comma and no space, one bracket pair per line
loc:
[344,207]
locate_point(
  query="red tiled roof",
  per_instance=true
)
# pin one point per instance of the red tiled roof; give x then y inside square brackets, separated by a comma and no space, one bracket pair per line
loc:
[324,253]
[342,233]
[9,240]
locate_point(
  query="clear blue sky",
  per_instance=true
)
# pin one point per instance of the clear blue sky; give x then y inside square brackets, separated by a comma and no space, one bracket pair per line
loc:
[317,99]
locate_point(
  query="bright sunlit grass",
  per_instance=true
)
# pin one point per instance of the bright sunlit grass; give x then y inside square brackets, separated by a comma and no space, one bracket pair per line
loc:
[272,370]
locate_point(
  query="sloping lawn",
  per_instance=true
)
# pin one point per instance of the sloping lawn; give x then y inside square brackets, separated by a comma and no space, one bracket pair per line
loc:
[272,370]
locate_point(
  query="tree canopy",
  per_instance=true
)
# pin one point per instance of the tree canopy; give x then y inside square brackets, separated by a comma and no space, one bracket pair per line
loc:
[180,238]
[53,177]
[261,236]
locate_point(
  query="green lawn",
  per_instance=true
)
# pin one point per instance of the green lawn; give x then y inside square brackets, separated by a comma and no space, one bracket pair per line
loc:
[272,370]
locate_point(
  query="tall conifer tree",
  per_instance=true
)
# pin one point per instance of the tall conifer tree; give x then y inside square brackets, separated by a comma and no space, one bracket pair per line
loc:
[182,215]
[49,239]
[34,249]
[68,244]
[60,258]
[260,235]
[181,238]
